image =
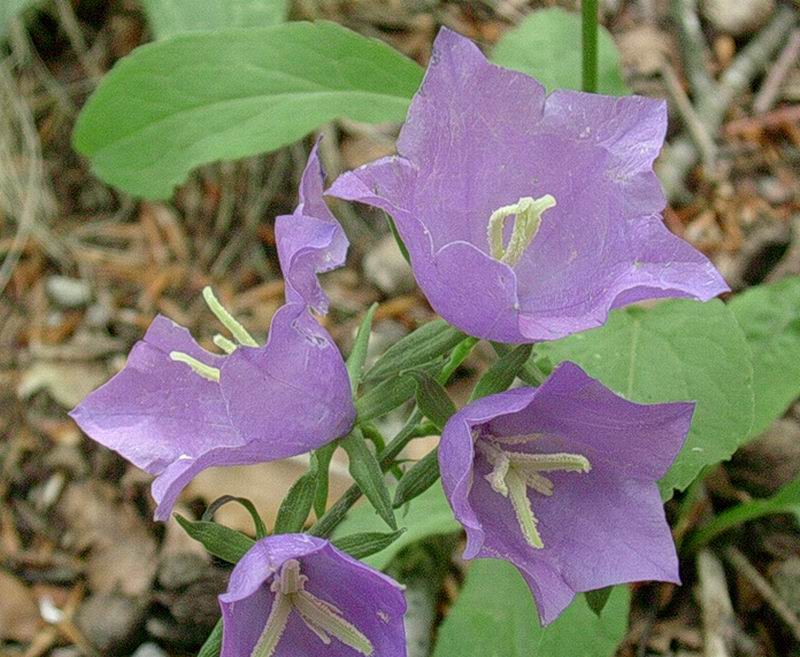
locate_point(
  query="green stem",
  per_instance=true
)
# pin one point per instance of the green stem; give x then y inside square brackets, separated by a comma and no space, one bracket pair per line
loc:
[327,523]
[589,44]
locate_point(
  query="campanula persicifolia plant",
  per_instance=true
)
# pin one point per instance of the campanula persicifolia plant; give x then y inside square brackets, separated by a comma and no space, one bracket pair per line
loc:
[527,217]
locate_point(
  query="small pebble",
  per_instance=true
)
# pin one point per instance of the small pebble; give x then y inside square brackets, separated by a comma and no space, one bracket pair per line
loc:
[737,17]
[386,268]
[149,649]
[68,292]
[109,621]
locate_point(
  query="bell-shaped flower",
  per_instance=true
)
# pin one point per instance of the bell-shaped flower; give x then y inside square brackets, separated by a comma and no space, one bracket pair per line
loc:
[528,217]
[560,480]
[176,409]
[294,595]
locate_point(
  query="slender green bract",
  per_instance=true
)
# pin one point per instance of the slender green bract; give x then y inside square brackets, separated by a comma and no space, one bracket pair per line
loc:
[175,104]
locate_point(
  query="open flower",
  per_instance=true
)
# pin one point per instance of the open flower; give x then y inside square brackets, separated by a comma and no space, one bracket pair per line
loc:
[560,480]
[294,594]
[528,217]
[176,409]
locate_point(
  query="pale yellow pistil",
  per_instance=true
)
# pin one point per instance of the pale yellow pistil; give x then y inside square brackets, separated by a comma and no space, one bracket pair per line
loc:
[527,213]
[321,617]
[513,473]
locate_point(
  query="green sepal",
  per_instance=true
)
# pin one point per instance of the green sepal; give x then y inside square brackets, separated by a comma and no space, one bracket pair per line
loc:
[324,455]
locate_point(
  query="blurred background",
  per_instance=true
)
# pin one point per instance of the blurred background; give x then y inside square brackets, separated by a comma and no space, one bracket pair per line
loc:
[83,569]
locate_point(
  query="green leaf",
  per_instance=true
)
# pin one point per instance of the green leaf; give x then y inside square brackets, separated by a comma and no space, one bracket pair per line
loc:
[502,373]
[391,393]
[366,544]
[217,504]
[173,105]
[547,46]
[417,479]
[494,616]
[428,515]
[223,542]
[169,18]
[786,500]
[770,318]
[677,350]
[427,343]
[294,509]
[323,456]
[213,644]
[598,598]
[367,473]
[355,361]
[433,400]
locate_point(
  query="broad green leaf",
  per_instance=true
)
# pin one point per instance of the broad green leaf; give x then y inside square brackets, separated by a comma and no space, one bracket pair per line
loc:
[770,318]
[223,542]
[495,616]
[547,46]
[678,350]
[169,18]
[172,105]
[786,500]
[427,515]
[598,599]
[427,343]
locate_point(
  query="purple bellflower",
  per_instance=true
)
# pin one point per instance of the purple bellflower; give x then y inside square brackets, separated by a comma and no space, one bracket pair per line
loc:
[482,145]
[176,409]
[294,595]
[560,480]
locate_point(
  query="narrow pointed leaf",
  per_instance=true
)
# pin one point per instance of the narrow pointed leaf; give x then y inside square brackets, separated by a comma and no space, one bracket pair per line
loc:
[360,546]
[223,542]
[294,509]
[323,456]
[213,644]
[502,372]
[355,362]
[366,471]
[417,479]
[216,505]
[433,400]
[427,343]
[391,393]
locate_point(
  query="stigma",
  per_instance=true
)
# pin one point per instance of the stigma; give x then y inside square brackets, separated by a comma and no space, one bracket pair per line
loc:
[527,213]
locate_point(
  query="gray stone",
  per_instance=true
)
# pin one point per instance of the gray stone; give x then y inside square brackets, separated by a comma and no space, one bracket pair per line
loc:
[386,268]
[737,17]
[68,292]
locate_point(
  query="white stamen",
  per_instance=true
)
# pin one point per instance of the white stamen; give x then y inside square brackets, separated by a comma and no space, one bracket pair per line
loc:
[227,320]
[518,493]
[228,346]
[206,371]
[551,462]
